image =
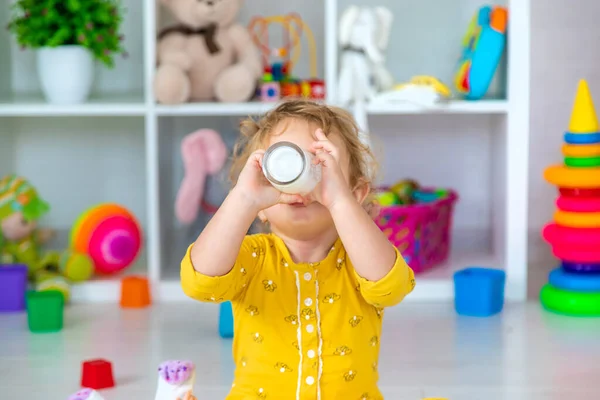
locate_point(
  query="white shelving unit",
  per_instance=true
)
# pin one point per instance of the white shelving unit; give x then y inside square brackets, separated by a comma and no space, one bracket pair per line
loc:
[123,147]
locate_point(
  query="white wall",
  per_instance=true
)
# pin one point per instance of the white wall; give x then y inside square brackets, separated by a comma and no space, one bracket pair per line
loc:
[126,77]
[564,45]
[76,163]
[450,151]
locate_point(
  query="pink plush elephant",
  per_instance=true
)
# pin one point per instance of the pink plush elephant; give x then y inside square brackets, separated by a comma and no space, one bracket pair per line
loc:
[204,153]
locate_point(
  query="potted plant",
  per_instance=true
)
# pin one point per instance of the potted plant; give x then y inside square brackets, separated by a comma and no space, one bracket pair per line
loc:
[69,35]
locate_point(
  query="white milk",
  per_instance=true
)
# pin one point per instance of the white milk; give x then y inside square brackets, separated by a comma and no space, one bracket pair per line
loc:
[290,169]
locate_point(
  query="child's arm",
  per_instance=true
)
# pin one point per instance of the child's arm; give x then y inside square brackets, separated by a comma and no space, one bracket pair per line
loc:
[384,276]
[372,254]
[216,249]
[223,259]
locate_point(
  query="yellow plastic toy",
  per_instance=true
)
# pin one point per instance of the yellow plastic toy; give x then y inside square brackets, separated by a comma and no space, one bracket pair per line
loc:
[583,116]
[582,141]
[577,219]
[581,150]
[575,178]
[427,81]
[422,90]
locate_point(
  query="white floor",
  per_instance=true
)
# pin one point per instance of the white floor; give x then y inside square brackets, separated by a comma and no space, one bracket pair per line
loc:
[427,351]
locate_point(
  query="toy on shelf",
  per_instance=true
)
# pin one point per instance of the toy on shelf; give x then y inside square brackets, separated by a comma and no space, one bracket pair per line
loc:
[278,80]
[479,292]
[13,286]
[135,292]
[21,239]
[175,380]
[417,221]
[207,55]
[45,311]
[574,236]
[483,46]
[86,394]
[364,35]
[110,234]
[97,374]
[424,91]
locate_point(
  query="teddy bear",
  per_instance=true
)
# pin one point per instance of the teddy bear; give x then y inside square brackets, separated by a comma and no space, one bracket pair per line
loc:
[21,239]
[207,56]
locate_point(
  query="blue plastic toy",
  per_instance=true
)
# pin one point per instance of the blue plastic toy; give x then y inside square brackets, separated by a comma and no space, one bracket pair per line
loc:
[582,138]
[479,292]
[483,45]
[565,280]
[226,320]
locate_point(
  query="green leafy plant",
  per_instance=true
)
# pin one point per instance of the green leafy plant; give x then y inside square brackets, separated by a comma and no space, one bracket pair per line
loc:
[93,24]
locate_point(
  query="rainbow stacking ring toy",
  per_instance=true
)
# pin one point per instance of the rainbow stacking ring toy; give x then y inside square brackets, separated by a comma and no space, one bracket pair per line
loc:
[588,268]
[585,304]
[565,280]
[582,138]
[574,204]
[574,235]
[579,192]
[110,235]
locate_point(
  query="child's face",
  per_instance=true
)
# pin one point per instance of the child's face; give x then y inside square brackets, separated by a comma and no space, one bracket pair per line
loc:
[311,220]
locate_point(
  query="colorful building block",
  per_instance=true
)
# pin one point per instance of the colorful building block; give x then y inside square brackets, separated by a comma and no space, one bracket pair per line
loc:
[277,71]
[317,89]
[225,320]
[135,292]
[97,374]
[13,285]
[290,89]
[45,311]
[270,91]
[479,292]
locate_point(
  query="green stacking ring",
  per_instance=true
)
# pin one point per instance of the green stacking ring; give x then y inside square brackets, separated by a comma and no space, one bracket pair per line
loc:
[582,162]
[584,304]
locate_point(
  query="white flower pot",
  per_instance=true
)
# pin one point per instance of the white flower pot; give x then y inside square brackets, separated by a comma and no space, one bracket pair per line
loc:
[66,73]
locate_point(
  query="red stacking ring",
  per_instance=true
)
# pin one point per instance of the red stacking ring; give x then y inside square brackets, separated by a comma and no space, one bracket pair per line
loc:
[563,236]
[569,192]
[577,255]
[578,204]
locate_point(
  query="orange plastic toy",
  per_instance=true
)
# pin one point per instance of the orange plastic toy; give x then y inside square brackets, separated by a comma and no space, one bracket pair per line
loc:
[135,292]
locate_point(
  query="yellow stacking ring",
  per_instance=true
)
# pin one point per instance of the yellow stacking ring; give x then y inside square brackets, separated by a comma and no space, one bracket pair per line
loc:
[577,178]
[577,219]
[581,150]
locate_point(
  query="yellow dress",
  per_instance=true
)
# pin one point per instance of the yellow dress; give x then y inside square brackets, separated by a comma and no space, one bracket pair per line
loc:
[302,331]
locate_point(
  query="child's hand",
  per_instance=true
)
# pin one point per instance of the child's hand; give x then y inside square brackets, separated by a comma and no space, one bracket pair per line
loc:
[333,186]
[253,185]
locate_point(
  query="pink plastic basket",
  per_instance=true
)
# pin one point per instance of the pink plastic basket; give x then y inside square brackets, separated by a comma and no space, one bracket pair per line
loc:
[420,231]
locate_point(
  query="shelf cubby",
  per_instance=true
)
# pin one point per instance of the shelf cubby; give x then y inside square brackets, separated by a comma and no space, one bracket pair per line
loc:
[121,146]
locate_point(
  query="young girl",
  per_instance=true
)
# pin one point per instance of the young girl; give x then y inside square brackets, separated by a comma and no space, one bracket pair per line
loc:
[308,298]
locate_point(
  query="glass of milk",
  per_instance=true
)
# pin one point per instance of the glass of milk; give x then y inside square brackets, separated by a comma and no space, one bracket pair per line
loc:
[290,169]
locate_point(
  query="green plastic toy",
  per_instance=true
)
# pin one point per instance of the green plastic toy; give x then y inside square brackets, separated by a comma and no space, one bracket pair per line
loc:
[45,311]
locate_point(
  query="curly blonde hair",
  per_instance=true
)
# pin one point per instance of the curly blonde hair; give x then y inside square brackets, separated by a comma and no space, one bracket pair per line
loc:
[255,134]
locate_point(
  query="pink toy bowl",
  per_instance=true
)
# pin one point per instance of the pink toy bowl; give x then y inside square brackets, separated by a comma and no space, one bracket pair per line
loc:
[421,232]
